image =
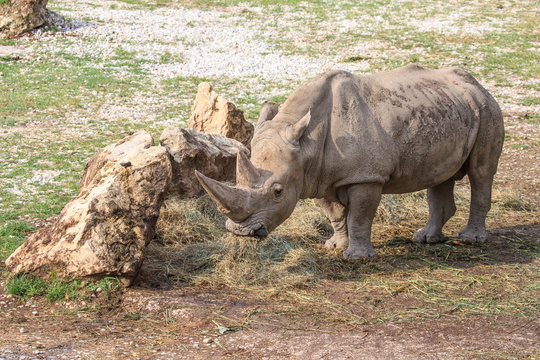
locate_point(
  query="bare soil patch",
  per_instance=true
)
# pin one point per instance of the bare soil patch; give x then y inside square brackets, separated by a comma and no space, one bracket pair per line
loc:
[344,315]
[181,324]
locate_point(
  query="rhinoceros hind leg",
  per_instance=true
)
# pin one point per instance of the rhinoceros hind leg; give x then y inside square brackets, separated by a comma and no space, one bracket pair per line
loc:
[475,231]
[441,208]
[337,213]
[481,167]
[363,200]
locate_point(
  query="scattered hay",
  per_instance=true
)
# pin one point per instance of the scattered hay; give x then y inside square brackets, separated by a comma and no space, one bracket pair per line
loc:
[514,200]
[193,247]
[188,221]
[395,208]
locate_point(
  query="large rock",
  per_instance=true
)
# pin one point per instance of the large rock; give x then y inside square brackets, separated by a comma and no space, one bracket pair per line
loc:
[105,229]
[20,16]
[190,150]
[213,114]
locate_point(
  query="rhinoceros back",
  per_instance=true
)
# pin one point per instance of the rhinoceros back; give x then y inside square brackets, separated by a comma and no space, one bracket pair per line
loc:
[411,127]
[433,118]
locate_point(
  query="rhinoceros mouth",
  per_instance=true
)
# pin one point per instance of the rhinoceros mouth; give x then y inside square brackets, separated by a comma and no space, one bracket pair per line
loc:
[258,230]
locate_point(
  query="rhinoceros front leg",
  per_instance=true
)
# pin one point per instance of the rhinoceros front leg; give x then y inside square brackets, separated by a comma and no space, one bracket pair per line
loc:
[441,208]
[337,213]
[363,200]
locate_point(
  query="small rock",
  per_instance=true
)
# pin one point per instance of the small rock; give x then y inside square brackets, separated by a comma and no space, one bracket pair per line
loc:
[22,330]
[213,114]
[207,340]
[22,15]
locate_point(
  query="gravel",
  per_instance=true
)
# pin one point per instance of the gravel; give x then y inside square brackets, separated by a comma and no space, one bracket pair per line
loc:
[208,43]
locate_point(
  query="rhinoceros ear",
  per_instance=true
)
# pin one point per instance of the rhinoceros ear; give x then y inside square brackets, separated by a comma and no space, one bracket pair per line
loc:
[268,111]
[294,132]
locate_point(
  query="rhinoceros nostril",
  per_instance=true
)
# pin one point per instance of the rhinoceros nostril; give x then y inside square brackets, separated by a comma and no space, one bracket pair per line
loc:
[261,232]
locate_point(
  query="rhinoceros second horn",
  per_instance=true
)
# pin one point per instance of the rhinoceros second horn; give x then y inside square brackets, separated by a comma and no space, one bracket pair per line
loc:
[246,173]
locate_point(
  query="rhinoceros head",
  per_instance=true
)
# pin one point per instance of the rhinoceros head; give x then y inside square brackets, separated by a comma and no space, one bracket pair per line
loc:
[267,187]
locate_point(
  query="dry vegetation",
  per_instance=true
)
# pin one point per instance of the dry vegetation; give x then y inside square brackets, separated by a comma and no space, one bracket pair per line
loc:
[193,249]
[121,66]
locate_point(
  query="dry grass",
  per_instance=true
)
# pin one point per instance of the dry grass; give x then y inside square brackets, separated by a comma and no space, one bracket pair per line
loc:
[198,250]
[406,281]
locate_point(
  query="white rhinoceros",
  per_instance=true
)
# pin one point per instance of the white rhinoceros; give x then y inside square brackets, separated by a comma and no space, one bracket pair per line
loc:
[347,139]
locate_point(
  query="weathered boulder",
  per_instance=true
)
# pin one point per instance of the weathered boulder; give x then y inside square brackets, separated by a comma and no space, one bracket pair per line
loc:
[105,229]
[212,113]
[191,150]
[20,16]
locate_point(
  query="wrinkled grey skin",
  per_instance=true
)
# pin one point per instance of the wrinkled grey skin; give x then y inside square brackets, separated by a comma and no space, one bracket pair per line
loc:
[347,139]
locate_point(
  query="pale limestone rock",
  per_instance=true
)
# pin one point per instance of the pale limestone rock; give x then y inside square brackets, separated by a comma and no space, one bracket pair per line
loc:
[213,114]
[191,150]
[20,16]
[105,229]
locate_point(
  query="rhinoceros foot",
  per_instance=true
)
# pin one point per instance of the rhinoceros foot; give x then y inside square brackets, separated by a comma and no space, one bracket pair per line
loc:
[337,241]
[472,235]
[359,252]
[428,235]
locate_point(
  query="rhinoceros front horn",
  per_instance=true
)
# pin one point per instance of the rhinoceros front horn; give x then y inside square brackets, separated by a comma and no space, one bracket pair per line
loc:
[231,201]
[246,173]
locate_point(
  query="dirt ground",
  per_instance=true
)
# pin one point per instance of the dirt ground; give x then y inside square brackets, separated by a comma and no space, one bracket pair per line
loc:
[156,320]
[138,327]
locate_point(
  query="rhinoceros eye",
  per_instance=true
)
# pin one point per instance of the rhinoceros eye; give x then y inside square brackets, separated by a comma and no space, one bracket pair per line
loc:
[278,190]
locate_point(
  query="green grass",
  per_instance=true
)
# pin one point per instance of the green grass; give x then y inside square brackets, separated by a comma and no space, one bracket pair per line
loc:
[106,284]
[42,91]
[12,235]
[356,58]
[520,146]
[25,286]
[151,4]
[55,289]
[533,119]
[528,101]
[276,3]
[168,58]
[59,290]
